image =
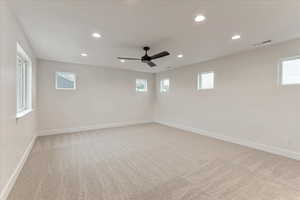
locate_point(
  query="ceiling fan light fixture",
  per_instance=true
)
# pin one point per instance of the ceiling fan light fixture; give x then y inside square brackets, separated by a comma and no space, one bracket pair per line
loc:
[180,56]
[146,58]
[84,54]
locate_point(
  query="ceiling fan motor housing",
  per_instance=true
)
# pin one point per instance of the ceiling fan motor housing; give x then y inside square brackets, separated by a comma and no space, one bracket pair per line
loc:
[146,58]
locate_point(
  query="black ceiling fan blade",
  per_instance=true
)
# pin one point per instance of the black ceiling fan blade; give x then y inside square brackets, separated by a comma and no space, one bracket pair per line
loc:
[124,58]
[151,64]
[159,55]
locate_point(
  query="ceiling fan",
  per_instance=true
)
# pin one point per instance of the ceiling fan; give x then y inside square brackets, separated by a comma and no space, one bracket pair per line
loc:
[146,58]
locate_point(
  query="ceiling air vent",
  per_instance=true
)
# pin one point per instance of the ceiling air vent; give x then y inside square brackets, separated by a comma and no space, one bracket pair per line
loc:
[263,43]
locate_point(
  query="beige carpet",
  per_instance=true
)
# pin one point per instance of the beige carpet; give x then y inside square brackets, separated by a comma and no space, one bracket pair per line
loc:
[152,162]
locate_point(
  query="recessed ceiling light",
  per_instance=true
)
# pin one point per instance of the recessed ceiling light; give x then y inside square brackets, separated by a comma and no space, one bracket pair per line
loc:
[180,56]
[84,54]
[122,60]
[200,18]
[96,35]
[236,37]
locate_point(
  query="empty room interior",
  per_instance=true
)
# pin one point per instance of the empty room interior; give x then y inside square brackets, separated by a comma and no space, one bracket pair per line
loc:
[149,100]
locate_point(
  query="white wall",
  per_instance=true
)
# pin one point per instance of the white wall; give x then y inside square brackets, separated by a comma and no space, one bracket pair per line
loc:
[104,97]
[248,104]
[15,135]
[1,99]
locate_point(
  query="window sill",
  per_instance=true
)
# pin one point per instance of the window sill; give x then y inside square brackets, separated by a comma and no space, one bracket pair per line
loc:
[290,84]
[204,89]
[23,113]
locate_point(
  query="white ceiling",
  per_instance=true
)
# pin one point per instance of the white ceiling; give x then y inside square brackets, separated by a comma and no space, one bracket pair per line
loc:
[61,29]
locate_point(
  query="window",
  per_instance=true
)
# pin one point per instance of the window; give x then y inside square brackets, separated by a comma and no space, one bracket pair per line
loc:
[141,85]
[164,85]
[24,82]
[290,71]
[65,81]
[206,80]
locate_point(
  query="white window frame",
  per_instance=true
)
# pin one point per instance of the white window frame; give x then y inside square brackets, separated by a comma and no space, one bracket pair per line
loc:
[161,89]
[281,71]
[23,83]
[141,90]
[56,79]
[199,80]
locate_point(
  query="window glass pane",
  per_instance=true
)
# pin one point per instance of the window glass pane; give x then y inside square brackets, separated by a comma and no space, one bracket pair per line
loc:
[19,84]
[206,80]
[164,85]
[65,80]
[291,72]
[23,85]
[141,85]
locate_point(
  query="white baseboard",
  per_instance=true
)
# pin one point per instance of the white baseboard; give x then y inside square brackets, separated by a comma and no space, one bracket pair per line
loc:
[12,180]
[254,145]
[91,127]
